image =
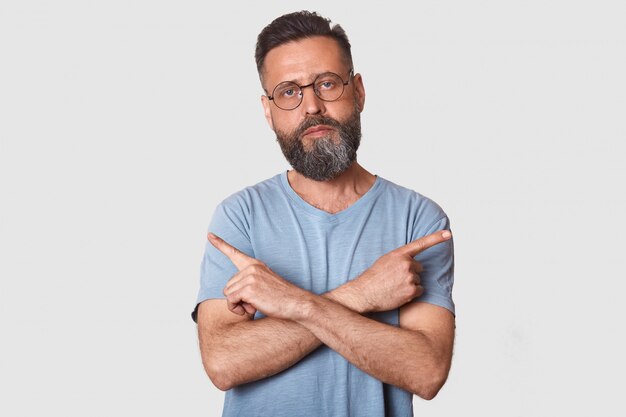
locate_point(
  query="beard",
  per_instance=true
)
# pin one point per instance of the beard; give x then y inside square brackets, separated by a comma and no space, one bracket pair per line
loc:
[327,158]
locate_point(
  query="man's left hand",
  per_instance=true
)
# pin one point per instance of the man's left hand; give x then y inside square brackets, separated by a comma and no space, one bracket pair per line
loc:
[256,286]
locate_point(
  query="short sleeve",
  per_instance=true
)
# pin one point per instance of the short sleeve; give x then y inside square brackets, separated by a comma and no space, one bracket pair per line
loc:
[438,262]
[230,223]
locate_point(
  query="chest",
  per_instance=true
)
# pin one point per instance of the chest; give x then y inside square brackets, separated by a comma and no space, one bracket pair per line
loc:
[321,255]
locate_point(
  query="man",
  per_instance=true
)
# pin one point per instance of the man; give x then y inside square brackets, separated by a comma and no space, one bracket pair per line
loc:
[325,290]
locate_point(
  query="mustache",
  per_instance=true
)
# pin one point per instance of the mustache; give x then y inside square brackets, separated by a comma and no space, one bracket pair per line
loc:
[316,121]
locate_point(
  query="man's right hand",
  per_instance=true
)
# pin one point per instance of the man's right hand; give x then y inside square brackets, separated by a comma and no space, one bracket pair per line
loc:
[393,280]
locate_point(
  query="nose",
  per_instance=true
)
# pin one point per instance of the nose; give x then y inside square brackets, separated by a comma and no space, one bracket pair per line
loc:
[311,103]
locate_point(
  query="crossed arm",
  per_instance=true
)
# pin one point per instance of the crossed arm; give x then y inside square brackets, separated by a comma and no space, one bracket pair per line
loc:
[416,357]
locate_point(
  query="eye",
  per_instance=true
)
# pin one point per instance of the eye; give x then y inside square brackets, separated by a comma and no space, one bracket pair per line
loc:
[326,84]
[287,91]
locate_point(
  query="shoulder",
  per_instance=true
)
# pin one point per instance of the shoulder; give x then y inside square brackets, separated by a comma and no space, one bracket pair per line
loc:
[244,201]
[235,215]
[423,210]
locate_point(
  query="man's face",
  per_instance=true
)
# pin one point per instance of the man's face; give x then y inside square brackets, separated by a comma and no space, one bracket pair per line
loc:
[318,138]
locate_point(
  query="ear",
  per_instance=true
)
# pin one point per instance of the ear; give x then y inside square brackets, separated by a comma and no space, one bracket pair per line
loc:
[267,110]
[359,90]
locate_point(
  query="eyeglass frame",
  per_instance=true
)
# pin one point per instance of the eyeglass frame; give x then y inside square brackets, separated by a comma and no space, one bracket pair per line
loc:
[302,87]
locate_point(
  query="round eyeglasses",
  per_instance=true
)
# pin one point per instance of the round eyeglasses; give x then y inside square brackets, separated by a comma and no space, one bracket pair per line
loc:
[327,86]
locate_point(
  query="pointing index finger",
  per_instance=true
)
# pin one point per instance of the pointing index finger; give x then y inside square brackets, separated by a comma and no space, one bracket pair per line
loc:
[237,257]
[423,243]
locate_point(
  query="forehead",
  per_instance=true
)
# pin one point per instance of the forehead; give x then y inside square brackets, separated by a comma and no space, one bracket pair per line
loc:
[301,59]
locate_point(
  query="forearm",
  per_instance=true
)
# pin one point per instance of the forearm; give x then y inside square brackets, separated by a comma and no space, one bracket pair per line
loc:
[255,349]
[393,355]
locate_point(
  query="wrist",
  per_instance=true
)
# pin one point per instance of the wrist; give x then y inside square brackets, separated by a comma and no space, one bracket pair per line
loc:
[307,308]
[349,296]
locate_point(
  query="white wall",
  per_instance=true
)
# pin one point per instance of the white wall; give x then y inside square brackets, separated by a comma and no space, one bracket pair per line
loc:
[123,124]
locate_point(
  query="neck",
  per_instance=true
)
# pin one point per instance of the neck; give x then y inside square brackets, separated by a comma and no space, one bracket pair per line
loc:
[336,194]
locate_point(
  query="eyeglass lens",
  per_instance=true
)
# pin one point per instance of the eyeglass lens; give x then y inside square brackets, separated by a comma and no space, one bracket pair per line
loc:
[328,87]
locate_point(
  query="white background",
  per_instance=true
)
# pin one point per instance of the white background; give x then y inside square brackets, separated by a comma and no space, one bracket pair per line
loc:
[124,123]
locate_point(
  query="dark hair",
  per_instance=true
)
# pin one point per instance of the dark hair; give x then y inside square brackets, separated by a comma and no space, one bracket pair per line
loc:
[296,26]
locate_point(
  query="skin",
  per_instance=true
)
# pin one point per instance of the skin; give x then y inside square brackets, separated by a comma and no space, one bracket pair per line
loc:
[415,356]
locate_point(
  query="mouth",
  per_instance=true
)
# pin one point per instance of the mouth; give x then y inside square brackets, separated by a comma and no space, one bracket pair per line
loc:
[319,130]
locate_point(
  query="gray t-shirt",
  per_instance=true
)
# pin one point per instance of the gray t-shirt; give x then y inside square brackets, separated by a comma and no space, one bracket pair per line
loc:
[319,251]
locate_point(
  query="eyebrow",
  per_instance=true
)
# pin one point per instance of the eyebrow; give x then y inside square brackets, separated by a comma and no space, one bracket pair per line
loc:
[311,76]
